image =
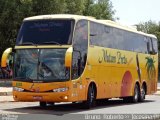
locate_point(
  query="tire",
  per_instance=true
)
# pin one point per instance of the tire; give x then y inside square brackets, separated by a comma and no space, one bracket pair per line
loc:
[135,97]
[51,103]
[90,98]
[42,104]
[142,94]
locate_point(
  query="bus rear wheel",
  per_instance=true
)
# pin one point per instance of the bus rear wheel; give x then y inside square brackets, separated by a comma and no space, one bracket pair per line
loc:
[136,94]
[142,94]
[135,97]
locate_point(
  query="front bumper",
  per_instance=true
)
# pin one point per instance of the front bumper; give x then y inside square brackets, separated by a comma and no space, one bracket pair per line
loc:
[46,97]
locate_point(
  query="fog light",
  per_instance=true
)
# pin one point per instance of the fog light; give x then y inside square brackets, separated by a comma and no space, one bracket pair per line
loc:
[65,97]
[14,96]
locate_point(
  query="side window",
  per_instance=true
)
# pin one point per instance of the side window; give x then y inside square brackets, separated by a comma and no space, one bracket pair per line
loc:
[117,39]
[108,37]
[135,42]
[155,45]
[150,45]
[129,41]
[96,32]
[101,35]
[80,46]
[141,44]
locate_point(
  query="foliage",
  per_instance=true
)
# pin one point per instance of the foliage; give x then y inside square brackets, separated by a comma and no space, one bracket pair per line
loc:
[100,9]
[151,28]
[12,12]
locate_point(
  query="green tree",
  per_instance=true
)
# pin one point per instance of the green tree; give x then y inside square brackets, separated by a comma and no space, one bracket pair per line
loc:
[11,16]
[100,9]
[12,12]
[75,6]
[41,7]
[150,27]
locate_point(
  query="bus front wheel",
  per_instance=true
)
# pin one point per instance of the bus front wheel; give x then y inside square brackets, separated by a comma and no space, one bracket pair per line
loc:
[42,104]
[90,97]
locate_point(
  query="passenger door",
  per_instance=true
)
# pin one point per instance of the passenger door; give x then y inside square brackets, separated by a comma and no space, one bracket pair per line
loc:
[80,47]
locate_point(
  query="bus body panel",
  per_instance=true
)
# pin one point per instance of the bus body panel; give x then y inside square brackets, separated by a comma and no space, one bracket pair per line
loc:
[115,72]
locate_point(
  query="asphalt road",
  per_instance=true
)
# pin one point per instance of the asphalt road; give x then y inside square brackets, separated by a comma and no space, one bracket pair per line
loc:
[68,110]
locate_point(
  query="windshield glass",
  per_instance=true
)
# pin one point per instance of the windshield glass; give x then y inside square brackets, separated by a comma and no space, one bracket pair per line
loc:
[52,64]
[41,32]
[41,65]
[26,62]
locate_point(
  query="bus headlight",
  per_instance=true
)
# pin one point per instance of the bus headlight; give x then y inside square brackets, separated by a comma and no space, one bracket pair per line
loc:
[18,89]
[60,89]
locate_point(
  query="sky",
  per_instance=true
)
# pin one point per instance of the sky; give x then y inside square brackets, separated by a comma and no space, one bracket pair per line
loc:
[131,12]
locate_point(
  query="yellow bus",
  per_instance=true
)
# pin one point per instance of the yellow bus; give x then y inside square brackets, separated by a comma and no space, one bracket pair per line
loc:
[72,58]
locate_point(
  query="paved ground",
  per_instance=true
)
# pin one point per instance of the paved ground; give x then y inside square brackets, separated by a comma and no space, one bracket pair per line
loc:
[150,106]
[70,111]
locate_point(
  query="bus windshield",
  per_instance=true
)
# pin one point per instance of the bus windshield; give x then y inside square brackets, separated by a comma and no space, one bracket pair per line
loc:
[41,65]
[42,32]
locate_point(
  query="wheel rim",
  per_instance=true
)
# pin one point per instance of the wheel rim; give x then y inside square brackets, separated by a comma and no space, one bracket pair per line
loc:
[136,94]
[92,95]
[143,93]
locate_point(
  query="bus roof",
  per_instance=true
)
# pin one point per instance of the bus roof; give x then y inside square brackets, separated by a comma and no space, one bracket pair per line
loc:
[78,17]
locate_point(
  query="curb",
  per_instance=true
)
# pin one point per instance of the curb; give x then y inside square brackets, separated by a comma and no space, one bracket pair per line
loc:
[4,99]
[157,93]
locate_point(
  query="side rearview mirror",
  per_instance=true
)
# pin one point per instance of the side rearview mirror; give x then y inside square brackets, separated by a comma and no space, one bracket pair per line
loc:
[68,57]
[5,55]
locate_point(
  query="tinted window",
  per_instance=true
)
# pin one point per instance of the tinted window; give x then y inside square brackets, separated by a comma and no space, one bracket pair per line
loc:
[52,65]
[46,32]
[155,45]
[135,42]
[26,62]
[96,31]
[110,37]
[80,45]
[41,65]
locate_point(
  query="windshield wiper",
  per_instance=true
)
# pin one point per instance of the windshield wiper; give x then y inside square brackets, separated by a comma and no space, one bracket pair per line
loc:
[28,43]
[51,42]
